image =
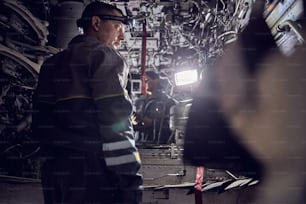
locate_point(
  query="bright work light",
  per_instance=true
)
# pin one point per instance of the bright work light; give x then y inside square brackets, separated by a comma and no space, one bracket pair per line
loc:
[186,77]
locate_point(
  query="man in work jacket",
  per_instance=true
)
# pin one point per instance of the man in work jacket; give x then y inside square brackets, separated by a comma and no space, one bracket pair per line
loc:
[82,116]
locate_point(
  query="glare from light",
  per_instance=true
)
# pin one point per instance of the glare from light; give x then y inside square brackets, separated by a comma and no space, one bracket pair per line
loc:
[186,77]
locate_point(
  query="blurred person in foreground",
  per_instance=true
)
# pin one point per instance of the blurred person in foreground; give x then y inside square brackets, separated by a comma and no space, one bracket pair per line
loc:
[82,116]
[249,115]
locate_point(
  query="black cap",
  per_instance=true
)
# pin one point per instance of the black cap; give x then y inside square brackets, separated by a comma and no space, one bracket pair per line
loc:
[152,74]
[102,10]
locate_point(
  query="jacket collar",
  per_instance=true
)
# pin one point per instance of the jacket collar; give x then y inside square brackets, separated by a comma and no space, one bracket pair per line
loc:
[82,38]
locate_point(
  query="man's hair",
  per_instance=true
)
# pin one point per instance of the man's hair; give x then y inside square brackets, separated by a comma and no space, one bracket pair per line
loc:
[152,74]
[95,8]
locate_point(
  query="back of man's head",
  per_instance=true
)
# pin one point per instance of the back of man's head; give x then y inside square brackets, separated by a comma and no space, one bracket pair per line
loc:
[95,8]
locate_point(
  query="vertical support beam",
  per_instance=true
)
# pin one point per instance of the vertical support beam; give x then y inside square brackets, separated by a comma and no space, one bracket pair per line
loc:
[198,185]
[143,55]
[67,14]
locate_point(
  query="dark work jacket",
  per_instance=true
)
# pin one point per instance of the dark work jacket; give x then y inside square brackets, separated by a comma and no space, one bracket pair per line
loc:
[157,109]
[81,103]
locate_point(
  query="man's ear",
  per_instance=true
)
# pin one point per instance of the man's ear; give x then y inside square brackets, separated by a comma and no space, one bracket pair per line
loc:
[95,23]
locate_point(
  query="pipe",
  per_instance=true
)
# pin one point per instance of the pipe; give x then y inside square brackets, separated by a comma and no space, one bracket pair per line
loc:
[143,56]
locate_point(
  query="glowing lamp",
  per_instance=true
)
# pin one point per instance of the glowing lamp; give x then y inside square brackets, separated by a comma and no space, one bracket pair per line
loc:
[186,77]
